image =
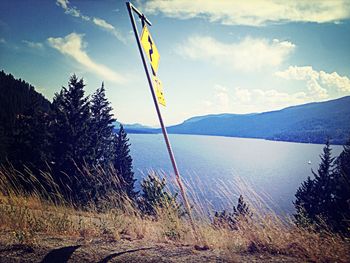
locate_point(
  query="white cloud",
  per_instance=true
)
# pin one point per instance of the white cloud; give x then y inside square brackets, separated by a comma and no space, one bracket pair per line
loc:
[319,86]
[62,3]
[249,54]
[317,82]
[243,100]
[108,27]
[2,41]
[258,100]
[298,73]
[341,83]
[219,102]
[222,97]
[101,23]
[72,46]
[243,95]
[31,44]
[73,11]
[253,12]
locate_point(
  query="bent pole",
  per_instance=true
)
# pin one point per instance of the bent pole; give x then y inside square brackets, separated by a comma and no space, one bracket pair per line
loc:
[164,131]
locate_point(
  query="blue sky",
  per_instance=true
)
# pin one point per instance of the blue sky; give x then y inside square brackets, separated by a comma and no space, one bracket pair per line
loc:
[216,56]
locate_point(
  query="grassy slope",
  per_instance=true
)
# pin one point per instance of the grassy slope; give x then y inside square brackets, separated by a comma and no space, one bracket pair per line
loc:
[32,228]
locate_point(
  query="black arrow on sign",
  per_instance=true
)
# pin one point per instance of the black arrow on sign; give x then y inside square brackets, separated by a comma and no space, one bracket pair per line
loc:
[151,49]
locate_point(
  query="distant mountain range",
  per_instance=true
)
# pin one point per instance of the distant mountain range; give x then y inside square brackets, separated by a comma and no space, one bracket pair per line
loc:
[136,128]
[308,123]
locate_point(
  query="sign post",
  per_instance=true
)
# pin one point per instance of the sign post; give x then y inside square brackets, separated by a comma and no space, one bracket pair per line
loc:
[153,55]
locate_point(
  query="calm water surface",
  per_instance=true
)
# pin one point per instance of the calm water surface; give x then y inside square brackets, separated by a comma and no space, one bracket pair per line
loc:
[273,169]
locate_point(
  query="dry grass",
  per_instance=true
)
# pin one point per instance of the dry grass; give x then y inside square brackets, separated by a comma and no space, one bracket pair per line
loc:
[28,215]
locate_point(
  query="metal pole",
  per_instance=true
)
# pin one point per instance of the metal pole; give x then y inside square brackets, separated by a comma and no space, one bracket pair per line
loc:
[167,142]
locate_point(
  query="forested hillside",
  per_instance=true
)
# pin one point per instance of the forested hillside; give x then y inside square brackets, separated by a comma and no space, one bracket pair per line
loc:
[311,123]
[73,133]
[17,99]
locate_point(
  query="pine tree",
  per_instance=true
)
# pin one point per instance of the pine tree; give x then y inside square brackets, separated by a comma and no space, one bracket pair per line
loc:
[4,144]
[343,161]
[315,197]
[102,134]
[71,141]
[342,191]
[123,163]
[19,102]
[155,195]
[242,209]
[225,220]
[30,140]
[230,220]
[305,203]
[324,183]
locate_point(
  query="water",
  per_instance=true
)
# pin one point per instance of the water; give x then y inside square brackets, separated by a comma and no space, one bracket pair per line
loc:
[273,169]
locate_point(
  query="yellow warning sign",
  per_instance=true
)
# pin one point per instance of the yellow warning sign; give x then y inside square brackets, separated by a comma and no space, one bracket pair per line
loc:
[157,84]
[150,48]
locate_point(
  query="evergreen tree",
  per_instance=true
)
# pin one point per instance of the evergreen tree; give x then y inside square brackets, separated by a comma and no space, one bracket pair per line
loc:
[19,102]
[305,203]
[71,140]
[324,183]
[342,191]
[73,134]
[4,144]
[155,195]
[225,220]
[315,197]
[31,139]
[102,134]
[229,220]
[242,208]
[123,163]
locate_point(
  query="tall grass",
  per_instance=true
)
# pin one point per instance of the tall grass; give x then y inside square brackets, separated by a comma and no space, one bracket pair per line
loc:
[113,216]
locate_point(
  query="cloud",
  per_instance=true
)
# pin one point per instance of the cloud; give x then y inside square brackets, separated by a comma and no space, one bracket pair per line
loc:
[63,3]
[341,83]
[220,101]
[320,86]
[35,45]
[108,27]
[317,82]
[101,23]
[73,11]
[72,46]
[243,100]
[262,100]
[243,95]
[2,41]
[247,55]
[252,13]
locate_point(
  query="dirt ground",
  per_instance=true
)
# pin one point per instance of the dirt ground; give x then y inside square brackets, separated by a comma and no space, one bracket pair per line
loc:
[68,249]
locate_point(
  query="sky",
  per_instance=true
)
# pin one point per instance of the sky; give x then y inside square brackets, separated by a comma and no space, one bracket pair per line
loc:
[218,56]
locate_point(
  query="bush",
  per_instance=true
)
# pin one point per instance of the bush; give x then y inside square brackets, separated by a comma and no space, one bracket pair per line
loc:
[156,196]
[229,220]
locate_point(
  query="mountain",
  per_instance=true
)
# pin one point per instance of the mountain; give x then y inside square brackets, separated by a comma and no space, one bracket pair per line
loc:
[17,99]
[311,123]
[18,96]
[136,128]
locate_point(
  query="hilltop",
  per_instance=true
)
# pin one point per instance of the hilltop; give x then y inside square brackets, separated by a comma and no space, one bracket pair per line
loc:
[307,123]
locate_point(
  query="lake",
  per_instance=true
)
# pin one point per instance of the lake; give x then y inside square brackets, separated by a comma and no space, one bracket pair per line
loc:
[215,165]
